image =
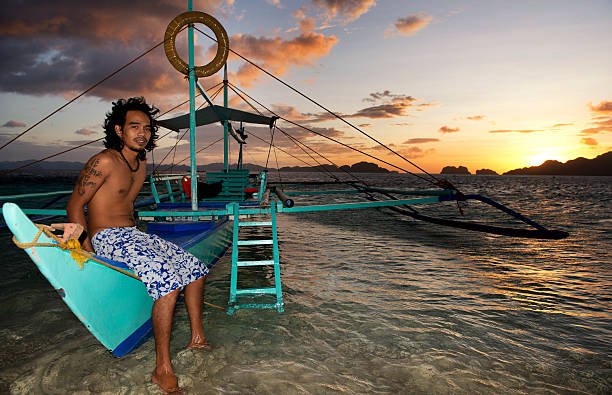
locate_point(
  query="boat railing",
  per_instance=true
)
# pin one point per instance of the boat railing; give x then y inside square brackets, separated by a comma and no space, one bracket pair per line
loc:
[171,192]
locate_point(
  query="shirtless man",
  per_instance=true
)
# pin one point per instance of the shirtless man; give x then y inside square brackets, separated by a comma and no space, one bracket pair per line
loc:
[108,185]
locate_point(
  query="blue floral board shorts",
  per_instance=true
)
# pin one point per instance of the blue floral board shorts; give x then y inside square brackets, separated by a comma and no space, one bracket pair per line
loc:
[161,265]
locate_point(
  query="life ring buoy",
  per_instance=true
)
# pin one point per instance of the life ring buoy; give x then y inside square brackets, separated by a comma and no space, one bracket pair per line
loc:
[196,17]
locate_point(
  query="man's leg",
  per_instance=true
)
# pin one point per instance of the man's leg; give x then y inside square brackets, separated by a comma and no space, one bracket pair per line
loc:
[193,300]
[161,315]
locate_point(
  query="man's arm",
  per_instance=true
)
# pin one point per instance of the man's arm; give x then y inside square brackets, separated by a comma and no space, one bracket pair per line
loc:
[90,179]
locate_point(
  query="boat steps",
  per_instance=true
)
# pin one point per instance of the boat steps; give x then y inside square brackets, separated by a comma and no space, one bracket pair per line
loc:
[255,242]
[257,291]
[275,290]
[260,223]
[255,263]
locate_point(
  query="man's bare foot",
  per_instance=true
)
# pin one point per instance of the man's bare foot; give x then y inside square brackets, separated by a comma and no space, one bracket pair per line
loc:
[167,381]
[199,345]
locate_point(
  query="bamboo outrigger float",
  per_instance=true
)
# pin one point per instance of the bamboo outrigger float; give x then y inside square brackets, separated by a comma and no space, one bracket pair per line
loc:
[115,307]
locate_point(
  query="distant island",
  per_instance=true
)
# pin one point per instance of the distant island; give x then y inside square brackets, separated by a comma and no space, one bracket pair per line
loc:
[486,172]
[361,167]
[455,170]
[464,170]
[72,169]
[599,166]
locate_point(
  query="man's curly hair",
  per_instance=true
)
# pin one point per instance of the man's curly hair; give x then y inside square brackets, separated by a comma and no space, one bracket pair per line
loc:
[117,115]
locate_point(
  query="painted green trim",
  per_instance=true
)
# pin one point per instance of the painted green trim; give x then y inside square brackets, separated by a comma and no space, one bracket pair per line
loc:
[349,206]
[38,211]
[299,209]
[345,191]
[29,195]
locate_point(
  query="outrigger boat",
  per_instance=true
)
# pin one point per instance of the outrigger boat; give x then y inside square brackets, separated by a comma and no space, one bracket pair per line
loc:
[107,297]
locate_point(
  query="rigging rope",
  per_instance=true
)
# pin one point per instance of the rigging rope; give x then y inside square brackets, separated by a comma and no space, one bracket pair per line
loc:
[295,141]
[322,135]
[48,157]
[173,149]
[201,149]
[436,181]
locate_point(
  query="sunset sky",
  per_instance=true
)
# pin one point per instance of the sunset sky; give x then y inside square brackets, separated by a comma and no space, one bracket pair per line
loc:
[483,84]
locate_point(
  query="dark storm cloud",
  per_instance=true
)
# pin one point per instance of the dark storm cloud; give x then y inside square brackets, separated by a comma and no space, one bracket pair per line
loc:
[65,46]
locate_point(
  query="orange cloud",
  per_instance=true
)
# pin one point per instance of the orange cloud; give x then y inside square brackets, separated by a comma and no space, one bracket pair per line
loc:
[393,105]
[515,131]
[420,140]
[409,25]
[446,129]
[94,21]
[602,118]
[307,25]
[476,118]
[588,141]
[85,132]
[300,13]
[382,111]
[288,112]
[14,124]
[605,107]
[416,152]
[277,55]
[349,10]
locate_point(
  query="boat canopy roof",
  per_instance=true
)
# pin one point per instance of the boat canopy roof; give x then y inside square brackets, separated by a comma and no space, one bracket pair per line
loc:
[212,114]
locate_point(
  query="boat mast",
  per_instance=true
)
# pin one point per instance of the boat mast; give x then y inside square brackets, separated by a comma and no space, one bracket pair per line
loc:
[192,118]
[225,131]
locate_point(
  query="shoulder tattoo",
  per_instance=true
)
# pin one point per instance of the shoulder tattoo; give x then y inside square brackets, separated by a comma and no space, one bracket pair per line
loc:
[87,176]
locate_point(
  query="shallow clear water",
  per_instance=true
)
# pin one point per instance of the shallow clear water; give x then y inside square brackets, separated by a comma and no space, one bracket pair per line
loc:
[374,303]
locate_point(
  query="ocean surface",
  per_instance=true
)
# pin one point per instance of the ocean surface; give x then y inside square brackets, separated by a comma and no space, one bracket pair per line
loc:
[374,303]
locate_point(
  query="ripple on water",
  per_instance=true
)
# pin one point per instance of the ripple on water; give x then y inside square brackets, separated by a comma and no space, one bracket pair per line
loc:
[373,304]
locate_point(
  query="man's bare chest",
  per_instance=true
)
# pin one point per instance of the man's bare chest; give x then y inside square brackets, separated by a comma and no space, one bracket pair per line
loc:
[126,185]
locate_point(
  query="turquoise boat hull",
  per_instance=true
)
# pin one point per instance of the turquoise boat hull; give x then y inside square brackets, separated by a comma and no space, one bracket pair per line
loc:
[114,307]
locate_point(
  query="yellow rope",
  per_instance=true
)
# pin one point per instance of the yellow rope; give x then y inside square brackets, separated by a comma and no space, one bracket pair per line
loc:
[76,252]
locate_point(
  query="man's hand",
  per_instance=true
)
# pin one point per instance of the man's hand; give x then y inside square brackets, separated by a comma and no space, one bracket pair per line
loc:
[71,231]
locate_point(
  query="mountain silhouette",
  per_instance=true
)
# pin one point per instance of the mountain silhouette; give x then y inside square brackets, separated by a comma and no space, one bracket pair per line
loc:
[599,166]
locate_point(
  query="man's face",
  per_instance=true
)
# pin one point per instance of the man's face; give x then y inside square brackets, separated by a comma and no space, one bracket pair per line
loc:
[136,132]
